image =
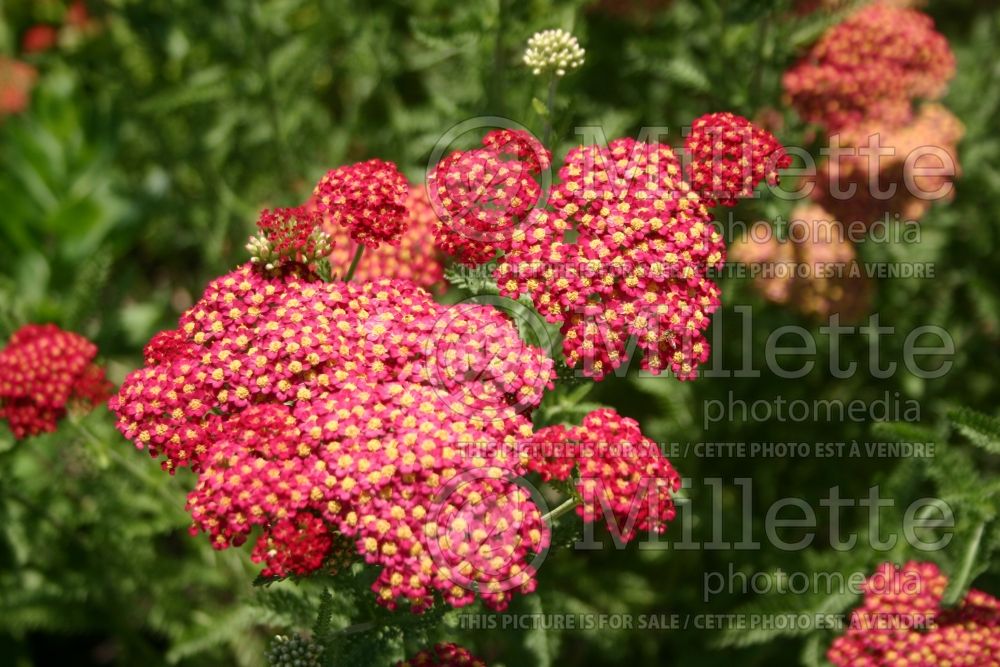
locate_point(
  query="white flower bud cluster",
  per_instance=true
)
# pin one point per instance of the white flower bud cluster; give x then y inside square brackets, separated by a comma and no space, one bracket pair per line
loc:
[555,50]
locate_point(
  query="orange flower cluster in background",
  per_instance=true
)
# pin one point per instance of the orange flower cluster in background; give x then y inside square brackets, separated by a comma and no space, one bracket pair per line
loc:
[913,166]
[816,271]
[866,83]
[16,80]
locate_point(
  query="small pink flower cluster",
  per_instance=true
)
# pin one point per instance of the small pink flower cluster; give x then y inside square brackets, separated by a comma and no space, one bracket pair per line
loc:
[625,253]
[443,655]
[318,411]
[44,370]
[901,623]
[368,198]
[730,156]
[415,258]
[871,67]
[480,195]
[16,81]
[621,476]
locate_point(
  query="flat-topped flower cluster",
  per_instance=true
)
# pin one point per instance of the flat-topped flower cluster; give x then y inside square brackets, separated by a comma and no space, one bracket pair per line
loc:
[902,622]
[313,409]
[45,371]
[623,247]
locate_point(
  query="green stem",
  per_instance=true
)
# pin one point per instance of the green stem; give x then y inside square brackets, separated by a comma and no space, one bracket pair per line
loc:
[550,106]
[567,505]
[354,263]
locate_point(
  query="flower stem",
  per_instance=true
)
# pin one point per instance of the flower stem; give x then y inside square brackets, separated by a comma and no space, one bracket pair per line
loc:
[354,263]
[550,106]
[567,505]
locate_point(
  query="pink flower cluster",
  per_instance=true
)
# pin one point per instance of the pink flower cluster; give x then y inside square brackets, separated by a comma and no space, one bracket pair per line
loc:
[416,257]
[730,156]
[625,253]
[481,195]
[901,623]
[323,414]
[368,199]
[16,81]
[443,655]
[871,67]
[43,371]
[917,162]
[816,270]
[620,475]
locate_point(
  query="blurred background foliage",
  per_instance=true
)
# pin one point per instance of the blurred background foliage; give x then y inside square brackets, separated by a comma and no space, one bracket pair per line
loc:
[158,128]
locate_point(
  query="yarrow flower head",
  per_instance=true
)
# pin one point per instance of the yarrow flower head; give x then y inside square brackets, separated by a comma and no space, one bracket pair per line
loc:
[443,655]
[289,238]
[614,468]
[43,372]
[553,51]
[625,253]
[480,195]
[368,199]
[415,258]
[919,160]
[39,38]
[901,622]
[870,68]
[815,271]
[330,420]
[730,156]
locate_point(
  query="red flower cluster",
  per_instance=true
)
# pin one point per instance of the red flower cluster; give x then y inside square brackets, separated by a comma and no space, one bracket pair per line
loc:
[44,370]
[77,14]
[621,476]
[519,145]
[368,199]
[625,253]
[38,38]
[415,258]
[443,655]
[331,413]
[730,156]
[913,160]
[481,195]
[816,270]
[901,623]
[16,81]
[871,67]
